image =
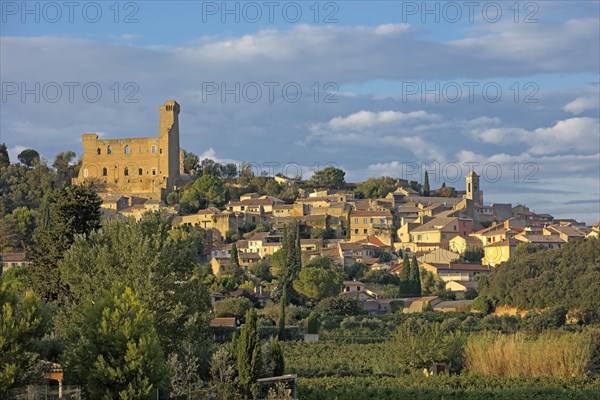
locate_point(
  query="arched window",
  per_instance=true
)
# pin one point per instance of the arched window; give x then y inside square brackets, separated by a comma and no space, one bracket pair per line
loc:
[127,149]
[108,150]
[99,151]
[126,171]
[104,171]
[140,172]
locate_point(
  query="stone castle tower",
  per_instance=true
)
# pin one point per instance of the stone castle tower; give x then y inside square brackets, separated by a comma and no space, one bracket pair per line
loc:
[147,168]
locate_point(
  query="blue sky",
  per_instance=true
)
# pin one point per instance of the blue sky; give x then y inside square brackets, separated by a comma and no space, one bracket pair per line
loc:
[385,86]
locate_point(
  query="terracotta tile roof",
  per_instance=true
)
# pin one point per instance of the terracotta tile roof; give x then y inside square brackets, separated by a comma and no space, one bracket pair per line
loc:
[435,224]
[371,213]
[460,267]
[13,257]
[540,238]
[215,322]
[508,242]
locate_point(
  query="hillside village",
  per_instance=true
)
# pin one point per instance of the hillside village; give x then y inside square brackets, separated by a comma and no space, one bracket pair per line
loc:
[335,224]
[455,237]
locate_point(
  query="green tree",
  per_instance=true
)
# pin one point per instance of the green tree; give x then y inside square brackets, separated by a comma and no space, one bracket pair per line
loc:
[23,322]
[74,210]
[339,306]
[278,359]
[233,307]
[426,188]
[282,304]
[419,344]
[328,177]
[4,158]
[312,323]
[156,265]
[318,283]
[114,349]
[210,187]
[190,162]
[375,188]
[233,267]
[431,284]
[23,221]
[62,165]
[29,157]
[405,275]
[248,352]
[415,277]
[355,271]
[191,201]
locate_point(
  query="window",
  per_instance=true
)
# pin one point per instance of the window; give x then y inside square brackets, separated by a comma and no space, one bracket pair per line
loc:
[160,150]
[127,149]
[126,171]
[98,151]
[154,149]
[153,171]
[104,171]
[356,231]
[85,172]
[365,220]
[365,231]
[356,220]
[108,150]
[140,172]
[454,227]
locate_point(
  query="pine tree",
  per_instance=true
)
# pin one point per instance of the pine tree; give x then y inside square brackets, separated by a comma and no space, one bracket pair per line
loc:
[282,304]
[415,277]
[426,188]
[405,273]
[248,352]
[113,349]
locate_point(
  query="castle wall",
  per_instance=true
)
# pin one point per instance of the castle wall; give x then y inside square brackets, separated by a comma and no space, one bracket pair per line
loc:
[140,167]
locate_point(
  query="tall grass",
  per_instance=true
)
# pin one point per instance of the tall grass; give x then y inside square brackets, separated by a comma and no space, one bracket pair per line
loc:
[551,354]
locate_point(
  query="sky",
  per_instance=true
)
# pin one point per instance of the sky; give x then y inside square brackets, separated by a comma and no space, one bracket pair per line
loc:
[509,88]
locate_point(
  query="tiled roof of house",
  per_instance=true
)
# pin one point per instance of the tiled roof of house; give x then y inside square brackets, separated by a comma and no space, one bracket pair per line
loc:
[540,238]
[13,257]
[435,224]
[567,230]
[371,213]
[460,267]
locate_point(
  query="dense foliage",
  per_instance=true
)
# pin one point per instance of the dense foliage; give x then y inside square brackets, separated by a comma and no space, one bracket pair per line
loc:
[533,278]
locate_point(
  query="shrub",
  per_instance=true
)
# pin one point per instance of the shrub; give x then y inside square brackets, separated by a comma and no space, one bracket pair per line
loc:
[233,307]
[482,304]
[470,294]
[339,306]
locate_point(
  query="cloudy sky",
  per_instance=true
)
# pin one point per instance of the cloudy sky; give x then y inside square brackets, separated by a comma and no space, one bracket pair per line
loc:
[375,88]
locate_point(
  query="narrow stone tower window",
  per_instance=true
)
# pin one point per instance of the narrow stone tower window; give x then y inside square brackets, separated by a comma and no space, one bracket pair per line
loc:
[99,151]
[126,149]
[108,150]
[104,171]
[140,172]
[126,171]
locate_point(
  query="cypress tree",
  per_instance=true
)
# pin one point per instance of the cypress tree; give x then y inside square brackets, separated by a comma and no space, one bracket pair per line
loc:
[405,274]
[282,304]
[426,185]
[415,277]
[278,360]
[248,352]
